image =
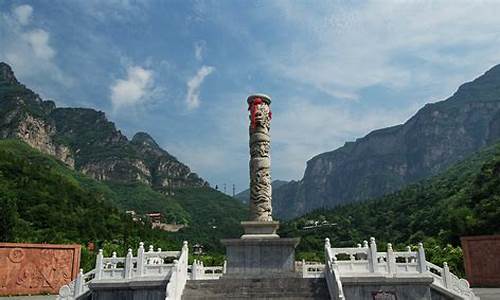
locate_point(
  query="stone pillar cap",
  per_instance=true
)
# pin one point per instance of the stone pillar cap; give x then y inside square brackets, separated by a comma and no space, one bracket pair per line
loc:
[264,97]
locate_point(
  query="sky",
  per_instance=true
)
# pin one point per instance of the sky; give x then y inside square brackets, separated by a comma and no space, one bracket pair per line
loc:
[182,70]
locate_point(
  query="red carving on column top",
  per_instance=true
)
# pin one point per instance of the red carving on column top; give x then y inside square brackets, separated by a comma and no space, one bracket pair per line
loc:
[252,107]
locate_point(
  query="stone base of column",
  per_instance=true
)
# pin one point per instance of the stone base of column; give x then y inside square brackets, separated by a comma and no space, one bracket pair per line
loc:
[260,229]
[260,257]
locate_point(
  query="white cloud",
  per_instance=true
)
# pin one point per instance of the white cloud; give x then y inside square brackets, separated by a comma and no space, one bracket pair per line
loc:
[299,131]
[199,49]
[306,129]
[38,40]
[122,11]
[134,89]
[194,84]
[342,49]
[29,51]
[23,14]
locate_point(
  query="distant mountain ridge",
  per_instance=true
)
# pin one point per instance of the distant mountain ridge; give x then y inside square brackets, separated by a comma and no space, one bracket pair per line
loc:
[84,139]
[388,159]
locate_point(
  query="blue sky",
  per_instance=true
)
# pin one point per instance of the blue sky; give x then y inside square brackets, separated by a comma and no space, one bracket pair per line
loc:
[181,70]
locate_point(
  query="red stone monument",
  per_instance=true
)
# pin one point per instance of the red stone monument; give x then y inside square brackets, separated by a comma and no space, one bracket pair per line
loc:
[482,260]
[37,268]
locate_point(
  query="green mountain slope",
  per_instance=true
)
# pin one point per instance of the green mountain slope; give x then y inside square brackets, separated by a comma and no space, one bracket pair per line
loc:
[464,200]
[86,140]
[134,174]
[43,200]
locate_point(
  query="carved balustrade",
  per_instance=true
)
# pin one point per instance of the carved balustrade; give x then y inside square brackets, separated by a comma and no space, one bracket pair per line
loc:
[179,275]
[201,272]
[367,261]
[310,269]
[149,263]
[332,274]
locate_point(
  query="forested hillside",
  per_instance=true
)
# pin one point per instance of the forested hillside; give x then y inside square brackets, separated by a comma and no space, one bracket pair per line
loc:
[42,200]
[464,200]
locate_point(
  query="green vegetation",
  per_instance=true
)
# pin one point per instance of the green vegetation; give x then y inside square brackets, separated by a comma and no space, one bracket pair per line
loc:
[142,199]
[213,216]
[42,201]
[464,200]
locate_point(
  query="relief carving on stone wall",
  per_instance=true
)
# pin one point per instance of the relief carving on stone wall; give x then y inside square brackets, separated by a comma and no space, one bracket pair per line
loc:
[35,270]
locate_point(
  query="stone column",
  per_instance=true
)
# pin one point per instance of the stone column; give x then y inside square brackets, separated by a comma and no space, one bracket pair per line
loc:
[261,224]
[260,159]
[260,252]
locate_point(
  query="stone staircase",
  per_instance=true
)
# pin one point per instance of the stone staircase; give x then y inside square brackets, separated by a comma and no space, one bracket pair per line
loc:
[262,288]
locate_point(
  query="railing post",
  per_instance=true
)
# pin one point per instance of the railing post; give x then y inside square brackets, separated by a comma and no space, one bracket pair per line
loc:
[304,268]
[391,260]
[140,260]
[185,248]
[78,284]
[373,261]
[446,276]
[194,270]
[327,248]
[176,281]
[422,264]
[99,265]
[128,264]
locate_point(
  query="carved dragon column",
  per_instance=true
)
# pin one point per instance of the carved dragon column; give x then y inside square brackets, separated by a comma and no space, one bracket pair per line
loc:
[260,160]
[260,252]
[261,224]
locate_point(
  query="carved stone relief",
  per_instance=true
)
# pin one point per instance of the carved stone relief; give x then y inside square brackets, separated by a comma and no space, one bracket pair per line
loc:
[35,269]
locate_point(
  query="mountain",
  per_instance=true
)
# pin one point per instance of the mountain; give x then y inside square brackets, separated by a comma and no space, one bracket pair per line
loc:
[244,196]
[463,200]
[388,159]
[84,139]
[134,174]
[43,200]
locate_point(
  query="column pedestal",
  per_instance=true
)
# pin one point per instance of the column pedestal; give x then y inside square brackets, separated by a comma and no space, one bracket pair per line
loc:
[260,229]
[260,252]
[260,257]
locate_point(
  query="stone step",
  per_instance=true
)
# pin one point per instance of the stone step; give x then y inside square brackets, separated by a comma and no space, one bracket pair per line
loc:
[269,288]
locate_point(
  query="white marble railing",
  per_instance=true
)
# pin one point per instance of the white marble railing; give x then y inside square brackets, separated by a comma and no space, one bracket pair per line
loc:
[367,261]
[332,274]
[149,263]
[179,276]
[310,269]
[200,272]
[449,281]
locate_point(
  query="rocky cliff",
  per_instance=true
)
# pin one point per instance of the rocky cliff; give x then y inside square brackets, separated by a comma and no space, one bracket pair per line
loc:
[24,115]
[386,160]
[85,140]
